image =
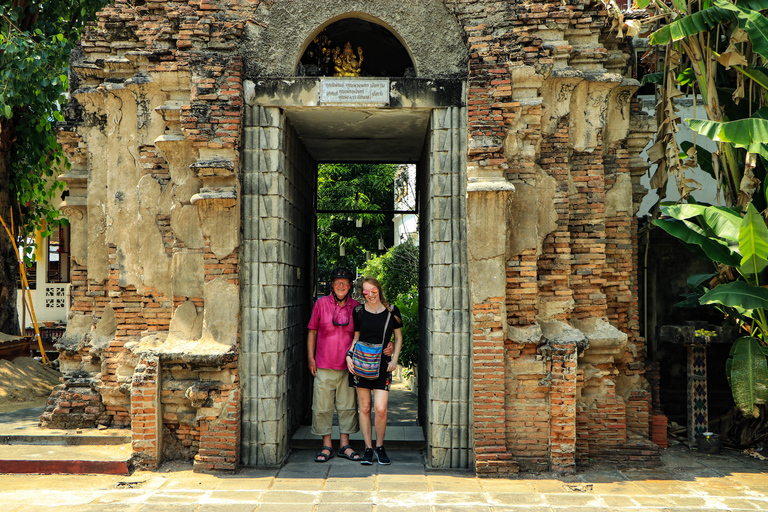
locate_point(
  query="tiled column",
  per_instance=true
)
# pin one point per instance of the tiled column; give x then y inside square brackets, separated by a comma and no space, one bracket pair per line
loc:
[276,283]
[444,298]
[698,408]
[262,360]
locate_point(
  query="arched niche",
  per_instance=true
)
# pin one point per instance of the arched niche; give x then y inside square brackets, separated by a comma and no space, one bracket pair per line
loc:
[384,53]
[428,31]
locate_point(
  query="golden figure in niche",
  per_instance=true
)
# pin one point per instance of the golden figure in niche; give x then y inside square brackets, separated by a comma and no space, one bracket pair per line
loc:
[346,63]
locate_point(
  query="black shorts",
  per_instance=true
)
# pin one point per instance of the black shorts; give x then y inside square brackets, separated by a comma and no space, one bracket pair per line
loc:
[381,382]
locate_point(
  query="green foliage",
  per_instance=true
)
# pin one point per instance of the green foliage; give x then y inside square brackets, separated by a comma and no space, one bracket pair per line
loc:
[742,298]
[717,50]
[397,269]
[352,187]
[408,304]
[398,272]
[35,42]
[747,372]
[750,134]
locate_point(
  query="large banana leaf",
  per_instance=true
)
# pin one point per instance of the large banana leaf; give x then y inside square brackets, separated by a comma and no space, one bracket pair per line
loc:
[750,133]
[722,222]
[746,14]
[747,372]
[737,294]
[754,23]
[691,25]
[753,242]
[695,239]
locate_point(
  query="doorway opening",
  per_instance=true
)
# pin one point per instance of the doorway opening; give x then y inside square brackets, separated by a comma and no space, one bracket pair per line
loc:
[367,221]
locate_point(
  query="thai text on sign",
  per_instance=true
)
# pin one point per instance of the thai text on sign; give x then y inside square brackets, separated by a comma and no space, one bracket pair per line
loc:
[346,91]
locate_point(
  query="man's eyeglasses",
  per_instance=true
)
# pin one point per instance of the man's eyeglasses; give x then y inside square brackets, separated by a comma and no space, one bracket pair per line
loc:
[340,320]
[341,284]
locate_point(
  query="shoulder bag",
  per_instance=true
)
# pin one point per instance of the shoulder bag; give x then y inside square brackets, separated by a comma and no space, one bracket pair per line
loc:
[366,357]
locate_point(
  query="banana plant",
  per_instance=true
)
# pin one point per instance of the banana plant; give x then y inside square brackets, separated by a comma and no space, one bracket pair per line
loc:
[737,244]
[715,50]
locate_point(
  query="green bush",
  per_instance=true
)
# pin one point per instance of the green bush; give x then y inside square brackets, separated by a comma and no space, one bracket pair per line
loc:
[397,269]
[398,272]
[408,304]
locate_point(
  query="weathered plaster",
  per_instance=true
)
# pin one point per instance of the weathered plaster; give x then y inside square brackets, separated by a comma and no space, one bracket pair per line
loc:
[222,226]
[155,263]
[487,243]
[619,197]
[188,274]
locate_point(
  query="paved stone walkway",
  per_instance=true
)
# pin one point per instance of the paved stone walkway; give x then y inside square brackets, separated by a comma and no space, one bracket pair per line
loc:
[689,481]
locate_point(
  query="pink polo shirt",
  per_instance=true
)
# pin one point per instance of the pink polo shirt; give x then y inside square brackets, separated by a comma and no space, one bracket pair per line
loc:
[333,341]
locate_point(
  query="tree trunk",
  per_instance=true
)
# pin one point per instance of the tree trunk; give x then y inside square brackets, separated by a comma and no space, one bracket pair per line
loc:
[9,267]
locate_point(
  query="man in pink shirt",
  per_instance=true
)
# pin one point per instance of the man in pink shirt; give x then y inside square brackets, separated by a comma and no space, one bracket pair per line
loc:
[330,337]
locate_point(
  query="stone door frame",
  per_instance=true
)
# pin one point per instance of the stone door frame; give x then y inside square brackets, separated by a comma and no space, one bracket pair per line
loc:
[269,331]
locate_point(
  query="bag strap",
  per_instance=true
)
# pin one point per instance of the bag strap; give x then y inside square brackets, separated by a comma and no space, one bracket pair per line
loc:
[384,336]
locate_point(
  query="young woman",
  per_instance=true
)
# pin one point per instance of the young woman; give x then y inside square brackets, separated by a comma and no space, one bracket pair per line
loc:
[375,322]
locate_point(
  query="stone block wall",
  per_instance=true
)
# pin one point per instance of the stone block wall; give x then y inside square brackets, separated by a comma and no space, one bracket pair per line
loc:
[278,230]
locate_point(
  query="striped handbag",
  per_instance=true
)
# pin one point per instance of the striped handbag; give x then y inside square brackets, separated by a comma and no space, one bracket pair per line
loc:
[366,357]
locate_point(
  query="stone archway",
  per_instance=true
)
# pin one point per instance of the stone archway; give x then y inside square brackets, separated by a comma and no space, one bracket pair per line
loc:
[272,50]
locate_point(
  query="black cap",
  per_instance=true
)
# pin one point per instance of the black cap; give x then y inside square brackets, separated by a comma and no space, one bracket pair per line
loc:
[342,273]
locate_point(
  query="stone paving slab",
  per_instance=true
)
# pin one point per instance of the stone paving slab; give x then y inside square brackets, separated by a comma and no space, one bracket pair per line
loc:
[407,485]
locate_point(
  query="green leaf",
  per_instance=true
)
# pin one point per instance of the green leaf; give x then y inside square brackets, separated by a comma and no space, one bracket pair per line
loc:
[57,115]
[737,294]
[690,300]
[722,222]
[703,157]
[642,4]
[698,242]
[757,74]
[748,18]
[691,25]
[680,5]
[696,280]
[686,77]
[8,111]
[753,242]
[752,21]
[652,78]
[750,134]
[748,375]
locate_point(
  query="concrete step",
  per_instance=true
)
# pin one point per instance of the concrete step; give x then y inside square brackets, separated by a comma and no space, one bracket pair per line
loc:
[397,438]
[27,448]
[66,460]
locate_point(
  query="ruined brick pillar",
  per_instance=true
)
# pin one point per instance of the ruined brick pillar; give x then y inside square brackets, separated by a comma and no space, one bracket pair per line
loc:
[487,266]
[562,406]
[146,424]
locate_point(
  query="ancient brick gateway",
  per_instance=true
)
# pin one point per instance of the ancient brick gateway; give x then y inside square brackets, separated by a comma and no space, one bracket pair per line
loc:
[194,146]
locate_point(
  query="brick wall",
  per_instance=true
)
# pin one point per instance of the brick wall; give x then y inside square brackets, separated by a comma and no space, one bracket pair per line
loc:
[538,101]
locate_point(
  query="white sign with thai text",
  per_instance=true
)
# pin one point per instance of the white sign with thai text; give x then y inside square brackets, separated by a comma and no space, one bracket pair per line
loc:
[346,91]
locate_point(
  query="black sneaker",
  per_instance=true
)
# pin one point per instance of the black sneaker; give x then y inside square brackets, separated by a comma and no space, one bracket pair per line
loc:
[367,457]
[381,455]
